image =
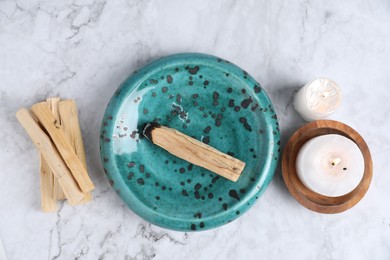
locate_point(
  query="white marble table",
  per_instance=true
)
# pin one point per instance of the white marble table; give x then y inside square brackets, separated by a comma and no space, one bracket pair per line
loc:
[85,49]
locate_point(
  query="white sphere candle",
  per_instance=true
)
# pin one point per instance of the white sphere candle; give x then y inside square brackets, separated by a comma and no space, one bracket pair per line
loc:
[317,99]
[331,165]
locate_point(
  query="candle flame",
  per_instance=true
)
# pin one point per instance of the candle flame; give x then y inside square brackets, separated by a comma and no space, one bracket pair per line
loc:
[336,161]
[325,94]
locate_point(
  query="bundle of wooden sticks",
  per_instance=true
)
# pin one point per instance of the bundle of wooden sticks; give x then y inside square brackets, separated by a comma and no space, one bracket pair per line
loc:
[54,128]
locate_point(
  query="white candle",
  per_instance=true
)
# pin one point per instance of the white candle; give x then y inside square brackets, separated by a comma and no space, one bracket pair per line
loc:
[331,165]
[317,99]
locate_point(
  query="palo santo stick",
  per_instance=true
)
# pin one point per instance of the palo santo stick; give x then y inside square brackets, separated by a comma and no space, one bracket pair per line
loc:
[48,183]
[47,180]
[53,105]
[71,126]
[193,151]
[51,155]
[46,118]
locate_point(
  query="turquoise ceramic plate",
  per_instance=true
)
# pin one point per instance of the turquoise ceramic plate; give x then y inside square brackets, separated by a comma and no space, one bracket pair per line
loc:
[205,97]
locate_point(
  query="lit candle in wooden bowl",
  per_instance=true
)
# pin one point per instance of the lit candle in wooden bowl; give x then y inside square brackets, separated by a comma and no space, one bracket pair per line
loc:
[309,193]
[331,165]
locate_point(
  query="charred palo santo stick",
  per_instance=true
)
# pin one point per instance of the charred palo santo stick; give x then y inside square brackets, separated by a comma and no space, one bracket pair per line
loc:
[71,126]
[53,105]
[51,156]
[42,112]
[193,151]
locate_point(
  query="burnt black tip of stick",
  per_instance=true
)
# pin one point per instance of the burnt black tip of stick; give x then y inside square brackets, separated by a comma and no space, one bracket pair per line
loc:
[148,128]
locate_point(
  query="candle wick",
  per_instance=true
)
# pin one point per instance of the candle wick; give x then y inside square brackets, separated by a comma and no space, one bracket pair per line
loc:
[344,169]
[325,94]
[336,161]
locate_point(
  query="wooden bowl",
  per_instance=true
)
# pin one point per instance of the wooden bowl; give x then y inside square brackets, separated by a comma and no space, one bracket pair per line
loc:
[313,200]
